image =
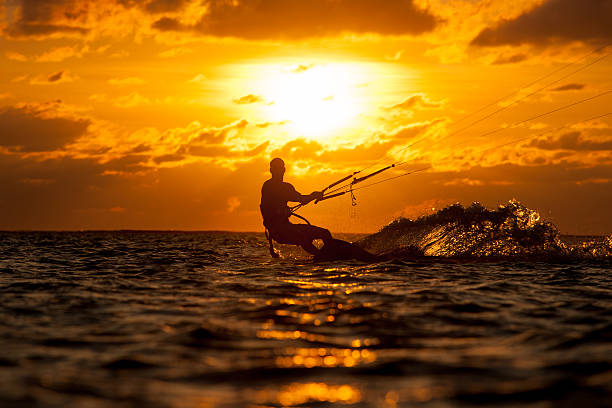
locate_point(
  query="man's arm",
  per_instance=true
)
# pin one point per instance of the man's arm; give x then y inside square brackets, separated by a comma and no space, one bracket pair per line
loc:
[303,199]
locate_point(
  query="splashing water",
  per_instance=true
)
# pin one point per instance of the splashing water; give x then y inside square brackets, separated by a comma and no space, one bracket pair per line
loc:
[512,230]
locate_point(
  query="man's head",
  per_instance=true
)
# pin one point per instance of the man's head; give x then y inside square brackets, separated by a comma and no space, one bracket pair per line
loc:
[277,167]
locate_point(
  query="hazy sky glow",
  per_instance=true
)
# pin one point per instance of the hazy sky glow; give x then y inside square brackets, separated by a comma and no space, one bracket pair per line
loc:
[159,114]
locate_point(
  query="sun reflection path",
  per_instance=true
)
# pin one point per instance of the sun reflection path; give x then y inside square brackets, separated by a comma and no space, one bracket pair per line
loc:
[302,393]
[324,357]
[321,301]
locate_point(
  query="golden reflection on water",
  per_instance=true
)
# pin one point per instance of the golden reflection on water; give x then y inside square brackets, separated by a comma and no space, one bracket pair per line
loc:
[288,335]
[301,393]
[346,287]
[324,357]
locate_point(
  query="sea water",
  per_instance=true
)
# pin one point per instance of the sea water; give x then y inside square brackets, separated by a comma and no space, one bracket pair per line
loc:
[208,319]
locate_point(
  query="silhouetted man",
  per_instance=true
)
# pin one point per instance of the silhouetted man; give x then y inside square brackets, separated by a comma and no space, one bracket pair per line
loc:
[275,193]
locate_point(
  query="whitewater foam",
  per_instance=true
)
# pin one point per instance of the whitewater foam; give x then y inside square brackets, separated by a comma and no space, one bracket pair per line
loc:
[511,230]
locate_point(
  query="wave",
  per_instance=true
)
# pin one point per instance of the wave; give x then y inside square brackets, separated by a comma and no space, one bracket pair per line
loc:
[510,231]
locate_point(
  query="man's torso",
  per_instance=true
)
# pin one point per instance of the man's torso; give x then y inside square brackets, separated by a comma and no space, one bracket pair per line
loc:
[274,198]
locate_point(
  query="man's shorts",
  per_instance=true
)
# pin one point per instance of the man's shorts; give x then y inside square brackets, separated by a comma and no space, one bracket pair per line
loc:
[297,234]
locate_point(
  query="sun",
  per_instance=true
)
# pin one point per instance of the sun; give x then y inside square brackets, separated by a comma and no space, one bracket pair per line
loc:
[315,101]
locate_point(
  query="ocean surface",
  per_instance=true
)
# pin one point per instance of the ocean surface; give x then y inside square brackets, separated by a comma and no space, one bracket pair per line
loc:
[473,308]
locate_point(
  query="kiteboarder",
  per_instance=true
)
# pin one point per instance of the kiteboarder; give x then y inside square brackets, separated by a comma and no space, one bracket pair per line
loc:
[275,193]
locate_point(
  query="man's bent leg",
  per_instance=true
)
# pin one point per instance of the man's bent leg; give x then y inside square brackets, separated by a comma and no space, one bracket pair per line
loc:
[309,233]
[302,235]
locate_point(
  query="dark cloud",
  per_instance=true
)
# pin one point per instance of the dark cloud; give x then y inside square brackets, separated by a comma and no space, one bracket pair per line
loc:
[553,21]
[569,87]
[128,164]
[248,99]
[248,19]
[55,77]
[41,17]
[35,128]
[571,141]
[510,59]
[141,148]
[37,30]
[264,19]
[171,157]
[168,24]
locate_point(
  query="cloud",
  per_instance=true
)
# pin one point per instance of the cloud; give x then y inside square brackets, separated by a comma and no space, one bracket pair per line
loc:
[39,127]
[448,53]
[232,203]
[301,68]
[170,157]
[84,19]
[148,149]
[15,56]
[416,101]
[509,59]
[296,19]
[20,78]
[264,125]
[39,18]
[103,48]
[175,52]
[98,97]
[377,146]
[554,21]
[41,30]
[198,79]
[574,140]
[63,193]
[131,101]
[244,19]
[396,56]
[169,24]
[465,181]
[569,87]
[119,54]
[54,78]
[126,81]
[59,54]
[249,99]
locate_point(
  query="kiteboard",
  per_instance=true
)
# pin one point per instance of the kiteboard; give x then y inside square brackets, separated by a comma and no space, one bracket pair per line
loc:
[339,250]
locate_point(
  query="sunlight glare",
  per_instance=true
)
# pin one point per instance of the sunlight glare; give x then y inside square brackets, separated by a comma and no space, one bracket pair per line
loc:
[315,100]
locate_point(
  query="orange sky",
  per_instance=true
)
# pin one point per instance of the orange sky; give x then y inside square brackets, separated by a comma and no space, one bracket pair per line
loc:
[158,114]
